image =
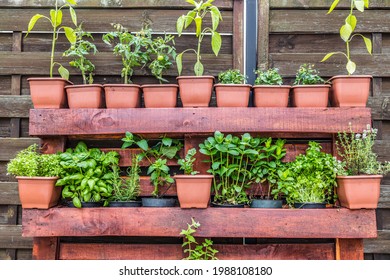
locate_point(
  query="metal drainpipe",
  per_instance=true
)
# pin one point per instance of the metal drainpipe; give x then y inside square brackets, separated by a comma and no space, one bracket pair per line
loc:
[250,41]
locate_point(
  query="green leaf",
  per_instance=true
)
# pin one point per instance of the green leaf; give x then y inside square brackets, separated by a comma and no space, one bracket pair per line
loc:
[167,141]
[143,144]
[56,17]
[215,17]
[216,42]
[351,20]
[70,35]
[192,2]
[345,32]
[73,15]
[368,43]
[32,22]
[189,18]
[366,3]
[351,67]
[180,24]
[76,202]
[72,2]
[198,22]
[359,4]
[327,56]
[179,64]
[333,6]
[63,72]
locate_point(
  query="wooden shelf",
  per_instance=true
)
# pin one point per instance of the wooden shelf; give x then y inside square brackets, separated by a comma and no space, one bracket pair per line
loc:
[72,122]
[215,222]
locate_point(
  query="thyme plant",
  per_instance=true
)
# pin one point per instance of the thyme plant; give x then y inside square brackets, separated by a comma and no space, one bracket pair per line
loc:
[231,76]
[308,75]
[268,77]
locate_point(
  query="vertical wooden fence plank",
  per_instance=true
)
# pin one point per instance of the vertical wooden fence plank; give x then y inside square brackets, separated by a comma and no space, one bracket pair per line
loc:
[263,34]
[16,84]
[238,35]
[45,248]
[349,249]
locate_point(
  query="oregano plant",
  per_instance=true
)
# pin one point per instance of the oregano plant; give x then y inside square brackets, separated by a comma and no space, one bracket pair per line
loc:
[197,14]
[55,20]
[347,32]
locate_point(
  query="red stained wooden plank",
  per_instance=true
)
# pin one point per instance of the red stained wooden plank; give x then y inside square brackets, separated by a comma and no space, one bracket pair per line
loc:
[91,251]
[243,222]
[45,248]
[350,249]
[195,120]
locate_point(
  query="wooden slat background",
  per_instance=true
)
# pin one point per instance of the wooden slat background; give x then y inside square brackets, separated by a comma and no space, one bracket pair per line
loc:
[285,42]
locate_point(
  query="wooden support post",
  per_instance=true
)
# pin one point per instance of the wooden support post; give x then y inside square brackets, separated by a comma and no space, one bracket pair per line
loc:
[349,249]
[45,248]
[263,35]
[238,35]
[16,84]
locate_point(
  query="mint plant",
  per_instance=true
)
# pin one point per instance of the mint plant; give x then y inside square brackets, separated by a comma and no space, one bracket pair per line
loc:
[231,76]
[346,32]
[200,10]
[55,20]
[268,77]
[308,75]
[79,51]
[187,163]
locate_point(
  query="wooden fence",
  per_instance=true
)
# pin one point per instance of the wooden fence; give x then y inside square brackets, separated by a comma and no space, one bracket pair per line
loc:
[285,41]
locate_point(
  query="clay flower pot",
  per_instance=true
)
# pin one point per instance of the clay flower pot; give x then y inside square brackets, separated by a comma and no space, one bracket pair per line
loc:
[85,96]
[160,96]
[122,95]
[232,95]
[195,91]
[310,96]
[48,93]
[193,191]
[350,91]
[271,96]
[356,192]
[38,192]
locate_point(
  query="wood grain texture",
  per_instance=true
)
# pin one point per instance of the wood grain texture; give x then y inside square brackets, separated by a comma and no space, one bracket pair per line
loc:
[263,34]
[270,223]
[91,251]
[45,248]
[9,147]
[350,249]
[11,237]
[380,245]
[9,193]
[238,35]
[324,4]
[195,120]
[15,106]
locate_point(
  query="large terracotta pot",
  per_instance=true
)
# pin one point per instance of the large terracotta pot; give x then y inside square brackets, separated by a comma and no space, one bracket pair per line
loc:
[231,95]
[160,96]
[193,191]
[85,96]
[38,192]
[356,192]
[271,96]
[350,91]
[195,91]
[310,96]
[48,93]
[122,95]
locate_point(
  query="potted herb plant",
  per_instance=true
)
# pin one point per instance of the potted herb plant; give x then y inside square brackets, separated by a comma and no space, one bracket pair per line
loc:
[268,90]
[264,175]
[132,50]
[162,52]
[309,180]
[126,190]
[309,89]
[87,175]
[231,91]
[157,156]
[196,91]
[359,178]
[350,90]
[193,189]
[37,175]
[49,92]
[87,95]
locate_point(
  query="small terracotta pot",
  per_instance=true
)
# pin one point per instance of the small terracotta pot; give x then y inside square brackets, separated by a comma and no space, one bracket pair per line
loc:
[193,191]
[230,95]
[310,96]
[85,96]
[356,192]
[122,95]
[271,96]
[160,96]
[195,91]
[350,91]
[38,192]
[48,93]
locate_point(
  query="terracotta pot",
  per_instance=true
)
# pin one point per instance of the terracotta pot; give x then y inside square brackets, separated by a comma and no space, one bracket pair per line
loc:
[193,191]
[271,96]
[356,192]
[230,95]
[195,91]
[350,91]
[160,96]
[48,93]
[122,95]
[85,96]
[38,192]
[310,96]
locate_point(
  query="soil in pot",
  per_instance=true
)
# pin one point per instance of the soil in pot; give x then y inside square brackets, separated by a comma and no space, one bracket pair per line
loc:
[308,205]
[48,93]
[350,91]
[271,96]
[85,96]
[86,204]
[310,96]
[232,95]
[160,96]
[266,203]
[195,91]
[158,202]
[135,203]
[122,95]
[226,205]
